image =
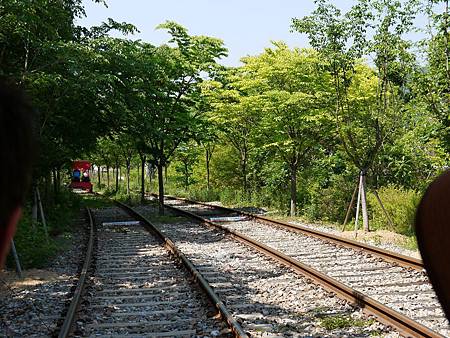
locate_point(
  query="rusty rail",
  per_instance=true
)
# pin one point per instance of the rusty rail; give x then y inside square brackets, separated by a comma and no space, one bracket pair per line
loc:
[405,325]
[66,327]
[170,245]
[387,255]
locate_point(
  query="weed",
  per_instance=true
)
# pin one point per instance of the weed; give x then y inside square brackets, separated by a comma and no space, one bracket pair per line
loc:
[33,246]
[341,322]
[377,239]
[410,243]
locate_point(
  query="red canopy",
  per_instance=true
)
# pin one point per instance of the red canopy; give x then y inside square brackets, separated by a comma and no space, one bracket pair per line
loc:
[81,165]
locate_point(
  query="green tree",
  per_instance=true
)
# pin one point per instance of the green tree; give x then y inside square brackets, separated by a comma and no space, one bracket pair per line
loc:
[291,90]
[174,117]
[236,114]
[365,122]
[187,156]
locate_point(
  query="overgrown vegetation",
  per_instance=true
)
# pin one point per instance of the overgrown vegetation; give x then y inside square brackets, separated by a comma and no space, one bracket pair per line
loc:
[342,322]
[290,129]
[34,248]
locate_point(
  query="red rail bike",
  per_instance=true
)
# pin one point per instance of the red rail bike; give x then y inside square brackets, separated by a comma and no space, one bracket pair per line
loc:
[81,178]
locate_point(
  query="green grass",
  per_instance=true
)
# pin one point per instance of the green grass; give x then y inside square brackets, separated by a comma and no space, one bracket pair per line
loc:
[410,243]
[34,248]
[342,322]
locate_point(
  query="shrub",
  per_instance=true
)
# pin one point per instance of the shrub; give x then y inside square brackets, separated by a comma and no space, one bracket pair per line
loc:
[31,243]
[200,193]
[400,204]
[328,203]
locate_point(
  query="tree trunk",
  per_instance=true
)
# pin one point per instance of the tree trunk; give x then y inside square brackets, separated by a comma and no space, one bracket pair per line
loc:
[364,202]
[293,189]
[208,160]
[46,184]
[161,189]
[128,169]
[34,209]
[386,214]
[244,170]
[143,158]
[150,175]
[99,172]
[58,179]
[138,176]
[55,185]
[165,172]
[186,177]
[107,175]
[117,177]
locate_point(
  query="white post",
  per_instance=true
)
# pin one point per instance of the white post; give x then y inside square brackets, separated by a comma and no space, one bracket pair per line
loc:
[364,202]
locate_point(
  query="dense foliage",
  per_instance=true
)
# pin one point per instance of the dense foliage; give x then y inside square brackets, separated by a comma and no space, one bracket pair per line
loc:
[291,129]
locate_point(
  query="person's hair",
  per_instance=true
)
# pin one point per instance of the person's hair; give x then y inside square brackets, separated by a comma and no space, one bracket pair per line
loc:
[17,148]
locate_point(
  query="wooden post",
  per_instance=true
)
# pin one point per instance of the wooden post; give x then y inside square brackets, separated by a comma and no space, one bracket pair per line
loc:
[16,259]
[41,209]
[349,209]
[364,202]
[357,206]
[138,178]
[391,223]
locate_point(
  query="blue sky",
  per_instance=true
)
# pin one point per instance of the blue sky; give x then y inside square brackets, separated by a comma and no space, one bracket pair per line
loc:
[245,26]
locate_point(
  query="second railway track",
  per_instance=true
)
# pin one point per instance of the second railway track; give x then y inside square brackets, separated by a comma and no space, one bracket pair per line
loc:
[404,290]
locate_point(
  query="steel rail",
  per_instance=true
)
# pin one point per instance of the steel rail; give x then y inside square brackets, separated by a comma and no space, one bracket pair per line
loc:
[170,245]
[66,327]
[390,256]
[386,315]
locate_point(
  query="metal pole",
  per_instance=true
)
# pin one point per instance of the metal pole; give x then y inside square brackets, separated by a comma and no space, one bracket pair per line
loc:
[16,259]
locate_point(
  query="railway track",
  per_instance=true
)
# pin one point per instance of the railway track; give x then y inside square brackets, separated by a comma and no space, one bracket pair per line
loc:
[266,297]
[137,286]
[397,293]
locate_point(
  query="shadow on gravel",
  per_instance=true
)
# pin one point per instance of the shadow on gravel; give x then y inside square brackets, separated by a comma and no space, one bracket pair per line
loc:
[266,298]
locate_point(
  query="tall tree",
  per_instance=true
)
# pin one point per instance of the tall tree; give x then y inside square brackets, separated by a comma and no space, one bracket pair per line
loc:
[291,90]
[343,40]
[236,114]
[174,117]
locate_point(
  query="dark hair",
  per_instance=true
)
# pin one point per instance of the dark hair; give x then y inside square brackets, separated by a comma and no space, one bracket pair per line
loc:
[17,148]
